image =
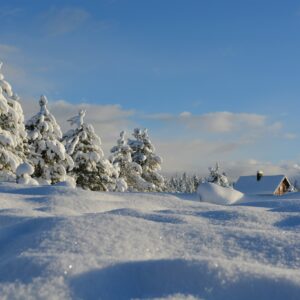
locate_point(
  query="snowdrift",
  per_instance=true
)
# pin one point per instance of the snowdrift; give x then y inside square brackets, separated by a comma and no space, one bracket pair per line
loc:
[210,192]
[58,242]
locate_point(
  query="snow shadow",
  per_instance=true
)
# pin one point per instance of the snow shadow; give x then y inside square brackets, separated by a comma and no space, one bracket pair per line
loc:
[262,248]
[148,217]
[287,207]
[164,278]
[280,205]
[41,190]
[187,196]
[214,216]
[289,222]
[219,215]
[19,236]
[34,191]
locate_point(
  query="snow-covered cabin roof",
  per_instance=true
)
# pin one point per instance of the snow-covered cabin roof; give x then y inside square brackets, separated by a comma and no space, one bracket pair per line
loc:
[267,185]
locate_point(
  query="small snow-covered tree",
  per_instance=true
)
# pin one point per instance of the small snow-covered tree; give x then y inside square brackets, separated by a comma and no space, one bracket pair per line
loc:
[182,183]
[130,173]
[48,154]
[295,185]
[172,184]
[143,153]
[12,131]
[217,177]
[91,170]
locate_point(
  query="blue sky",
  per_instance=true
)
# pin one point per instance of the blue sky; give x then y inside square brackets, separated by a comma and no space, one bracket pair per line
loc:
[212,80]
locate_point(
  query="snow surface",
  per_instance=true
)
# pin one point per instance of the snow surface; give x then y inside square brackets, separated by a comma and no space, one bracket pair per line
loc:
[63,243]
[214,193]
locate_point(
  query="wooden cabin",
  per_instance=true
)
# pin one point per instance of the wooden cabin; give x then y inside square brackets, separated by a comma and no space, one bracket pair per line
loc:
[263,185]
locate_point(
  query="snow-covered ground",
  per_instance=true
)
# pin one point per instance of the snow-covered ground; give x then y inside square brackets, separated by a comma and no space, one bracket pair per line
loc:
[61,243]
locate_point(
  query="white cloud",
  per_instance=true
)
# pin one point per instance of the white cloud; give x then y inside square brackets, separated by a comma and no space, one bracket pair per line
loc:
[65,20]
[290,136]
[185,114]
[192,155]
[196,142]
[6,49]
[251,166]
[228,122]
[222,122]
[195,156]
[218,122]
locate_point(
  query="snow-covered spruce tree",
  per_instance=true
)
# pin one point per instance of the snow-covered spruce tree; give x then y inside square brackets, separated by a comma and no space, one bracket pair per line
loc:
[48,155]
[12,131]
[188,183]
[217,177]
[172,184]
[130,173]
[182,183]
[91,170]
[143,154]
[196,181]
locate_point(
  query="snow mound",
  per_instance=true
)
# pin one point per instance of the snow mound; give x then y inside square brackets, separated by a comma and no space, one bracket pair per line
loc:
[24,172]
[68,182]
[210,192]
[24,168]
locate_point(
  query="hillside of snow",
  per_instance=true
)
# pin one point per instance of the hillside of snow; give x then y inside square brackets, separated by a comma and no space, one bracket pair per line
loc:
[63,243]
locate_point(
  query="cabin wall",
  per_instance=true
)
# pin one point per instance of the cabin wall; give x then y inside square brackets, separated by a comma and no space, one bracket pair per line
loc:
[283,188]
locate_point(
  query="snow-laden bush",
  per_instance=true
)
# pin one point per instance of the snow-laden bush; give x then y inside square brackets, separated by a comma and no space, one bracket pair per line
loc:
[90,170]
[24,172]
[69,182]
[217,177]
[129,172]
[143,153]
[48,154]
[12,131]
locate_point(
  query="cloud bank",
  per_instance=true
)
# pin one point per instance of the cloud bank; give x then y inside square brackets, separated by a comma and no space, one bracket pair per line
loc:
[192,154]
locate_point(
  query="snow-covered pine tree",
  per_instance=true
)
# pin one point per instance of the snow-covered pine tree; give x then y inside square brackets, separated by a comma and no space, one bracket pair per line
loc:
[196,181]
[143,154]
[189,183]
[182,183]
[172,184]
[48,155]
[130,173]
[12,131]
[185,184]
[91,170]
[217,177]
